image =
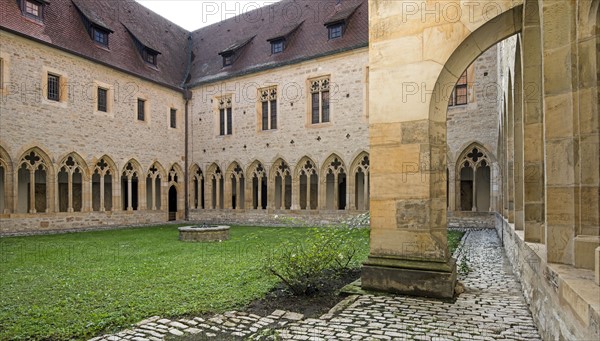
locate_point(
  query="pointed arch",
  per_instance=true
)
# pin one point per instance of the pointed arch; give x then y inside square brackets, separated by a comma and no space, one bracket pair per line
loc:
[131,185]
[473,173]
[72,180]
[6,181]
[197,183]
[235,183]
[334,189]
[257,182]
[216,186]
[359,181]
[281,179]
[307,178]
[175,196]
[34,190]
[103,176]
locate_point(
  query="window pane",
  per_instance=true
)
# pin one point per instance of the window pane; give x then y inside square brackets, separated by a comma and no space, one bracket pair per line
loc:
[32,8]
[265,115]
[222,122]
[229,123]
[463,79]
[325,95]
[451,100]
[102,100]
[141,110]
[461,94]
[335,31]
[173,118]
[100,37]
[53,88]
[315,108]
[273,114]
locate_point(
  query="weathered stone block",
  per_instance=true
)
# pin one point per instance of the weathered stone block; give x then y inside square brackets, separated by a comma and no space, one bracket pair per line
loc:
[585,247]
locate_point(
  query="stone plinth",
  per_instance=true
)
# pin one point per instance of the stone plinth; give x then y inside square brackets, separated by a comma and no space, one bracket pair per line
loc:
[203,234]
[429,279]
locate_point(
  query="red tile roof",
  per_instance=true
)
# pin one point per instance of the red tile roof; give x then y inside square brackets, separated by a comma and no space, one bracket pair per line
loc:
[300,21]
[308,41]
[63,27]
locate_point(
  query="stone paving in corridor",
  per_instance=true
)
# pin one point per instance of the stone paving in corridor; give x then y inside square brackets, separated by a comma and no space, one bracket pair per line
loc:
[491,308]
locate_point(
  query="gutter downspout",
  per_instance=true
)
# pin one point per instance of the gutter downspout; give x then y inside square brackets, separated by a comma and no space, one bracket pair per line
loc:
[187,96]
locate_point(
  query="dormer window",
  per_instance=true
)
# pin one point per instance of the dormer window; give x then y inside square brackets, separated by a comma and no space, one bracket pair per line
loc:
[227,59]
[339,20]
[231,53]
[100,36]
[149,54]
[96,28]
[336,31]
[277,46]
[33,8]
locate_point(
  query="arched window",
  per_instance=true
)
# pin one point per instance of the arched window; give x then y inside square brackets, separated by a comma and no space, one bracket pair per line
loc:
[308,181]
[259,187]
[474,179]
[32,183]
[236,176]
[198,188]
[361,182]
[102,186]
[70,184]
[153,187]
[130,186]
[216,183]
[283,185]
[335,184]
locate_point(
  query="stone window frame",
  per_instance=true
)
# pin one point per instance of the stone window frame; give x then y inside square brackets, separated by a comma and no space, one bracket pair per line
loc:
[4,73]
[309,96]
[109,98]
[270,96]
[335,31]
[146,109]
[461,83]
[277,46]
[173,119]
[224,103]
[63,82]
[27,11]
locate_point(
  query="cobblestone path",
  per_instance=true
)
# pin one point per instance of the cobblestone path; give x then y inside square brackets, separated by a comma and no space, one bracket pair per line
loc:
[491,308]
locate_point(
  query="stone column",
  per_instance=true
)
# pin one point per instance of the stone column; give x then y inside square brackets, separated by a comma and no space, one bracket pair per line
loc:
[308,194]
[129,194]
[366,192]
[153,195]
[295,193]
[451,188]
[32,190]
[418,59]
[518,143]
[228,191]
[474,208]
[561,125]
[102,208]
[238,194]
[335,192]
[351,192]
[259,193]
[218,193]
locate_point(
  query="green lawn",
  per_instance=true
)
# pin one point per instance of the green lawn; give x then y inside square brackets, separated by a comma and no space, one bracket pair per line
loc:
[77,285]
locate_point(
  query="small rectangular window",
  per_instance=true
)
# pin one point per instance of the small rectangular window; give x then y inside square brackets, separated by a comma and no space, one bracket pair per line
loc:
[53,87]
[268,99]
[100,36]
[102,100]
[32,8]
[141,109]
[227,60]
[319,106]
[274,114]
[460,92]
[277,46]
[173,118]
[336,31]
[225,116]
[229,121]
[265,115]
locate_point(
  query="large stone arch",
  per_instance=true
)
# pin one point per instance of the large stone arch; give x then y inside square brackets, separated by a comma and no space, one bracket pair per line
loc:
[38,198]
[418,57]
[235,186]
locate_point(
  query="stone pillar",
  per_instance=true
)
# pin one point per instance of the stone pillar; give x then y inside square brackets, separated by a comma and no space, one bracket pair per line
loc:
[351,192]
[561,125]
[518,144]
[416,59]
[129,194]
[218,193]
[366,192]
[282,203]
[474,208]
[533,127]
[295,193]
[238,194]
[308,194]
[69,191]
[451,188]
[510,153]
[228,189]
[32,190]
[335,191]
[259,191]
[152,203]
[102,207]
